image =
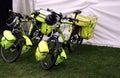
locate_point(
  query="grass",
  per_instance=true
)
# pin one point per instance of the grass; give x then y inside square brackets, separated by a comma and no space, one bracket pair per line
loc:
[85,62]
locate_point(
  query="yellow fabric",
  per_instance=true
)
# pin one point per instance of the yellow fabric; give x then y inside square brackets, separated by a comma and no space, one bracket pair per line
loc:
[61,57]
[46,29]
[8,35]
[27,40]
[31,27]
[88,31]
[27,45]
[42,50]
[43,46]
[41,18]
[84,21]
[5,43]
[8,39]
[25,49]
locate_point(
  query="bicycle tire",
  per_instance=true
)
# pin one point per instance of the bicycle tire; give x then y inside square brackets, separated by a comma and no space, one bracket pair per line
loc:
[49,61]
[7,54]
[75,40]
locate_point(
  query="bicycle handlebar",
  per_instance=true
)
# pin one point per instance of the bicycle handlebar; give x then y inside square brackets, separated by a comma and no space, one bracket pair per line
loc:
[19,15]
[70,19]
[53,12]
[15,14]
[73,19]
[14,17]
[36,12]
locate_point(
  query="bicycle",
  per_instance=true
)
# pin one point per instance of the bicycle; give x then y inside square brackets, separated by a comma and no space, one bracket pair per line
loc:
[74,35]
[12,40]
[82,27]
[48,50]
[57,53]
[17,33]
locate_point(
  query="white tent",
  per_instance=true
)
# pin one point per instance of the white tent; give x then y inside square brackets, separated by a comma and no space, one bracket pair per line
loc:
[107,11]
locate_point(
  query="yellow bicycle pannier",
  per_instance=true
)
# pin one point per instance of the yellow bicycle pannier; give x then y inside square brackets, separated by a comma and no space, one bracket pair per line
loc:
[61,57]
[42,50]
[8,39]
[83,20]
[40,17]
[27,45]
[46,29]
[88,31]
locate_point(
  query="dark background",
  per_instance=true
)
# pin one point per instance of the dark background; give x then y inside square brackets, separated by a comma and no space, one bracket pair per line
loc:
[5,5]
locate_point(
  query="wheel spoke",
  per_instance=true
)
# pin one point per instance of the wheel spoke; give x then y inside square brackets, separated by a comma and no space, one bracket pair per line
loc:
[11,54]
[49,61]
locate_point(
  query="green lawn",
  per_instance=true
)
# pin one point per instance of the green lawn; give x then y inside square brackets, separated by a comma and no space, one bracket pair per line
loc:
[86,62]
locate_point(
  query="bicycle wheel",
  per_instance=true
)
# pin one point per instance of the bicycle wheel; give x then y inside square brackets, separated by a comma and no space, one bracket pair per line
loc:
[11,54]
[75,40]
[49,61]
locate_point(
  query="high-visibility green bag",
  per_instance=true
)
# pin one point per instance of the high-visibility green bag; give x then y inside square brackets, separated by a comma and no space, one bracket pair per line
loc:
[8,39]
[42,50]
[88,31]
[46,29]
[82,20]
[61,57]
[26,46]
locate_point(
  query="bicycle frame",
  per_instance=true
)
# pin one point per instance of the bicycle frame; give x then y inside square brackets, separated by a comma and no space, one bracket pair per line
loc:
[70,29]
